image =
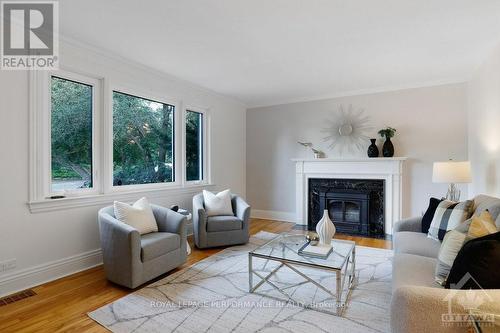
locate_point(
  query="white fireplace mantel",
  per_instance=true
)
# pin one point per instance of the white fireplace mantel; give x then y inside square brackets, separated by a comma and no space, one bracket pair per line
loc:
[388,169]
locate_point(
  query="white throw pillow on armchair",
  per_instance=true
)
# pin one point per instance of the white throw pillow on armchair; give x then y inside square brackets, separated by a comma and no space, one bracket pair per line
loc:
[218,204]
[139,215]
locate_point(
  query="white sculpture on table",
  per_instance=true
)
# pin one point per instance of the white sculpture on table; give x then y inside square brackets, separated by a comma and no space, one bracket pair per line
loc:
[325,229]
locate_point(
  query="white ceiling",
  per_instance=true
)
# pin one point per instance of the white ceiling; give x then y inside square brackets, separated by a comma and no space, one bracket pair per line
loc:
[265,52]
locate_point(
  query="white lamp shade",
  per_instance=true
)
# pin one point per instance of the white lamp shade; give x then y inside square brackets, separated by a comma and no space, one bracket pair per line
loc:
[451,172]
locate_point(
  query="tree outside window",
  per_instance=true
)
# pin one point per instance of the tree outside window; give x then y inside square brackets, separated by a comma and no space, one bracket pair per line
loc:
[71,134]
[194,146]
[143,140]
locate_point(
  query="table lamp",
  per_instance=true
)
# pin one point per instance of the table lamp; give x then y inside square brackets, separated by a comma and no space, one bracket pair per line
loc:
[451,172]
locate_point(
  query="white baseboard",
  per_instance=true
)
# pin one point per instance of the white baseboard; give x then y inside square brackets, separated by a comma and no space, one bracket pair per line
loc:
[40,274]
[36,275]
[273,215]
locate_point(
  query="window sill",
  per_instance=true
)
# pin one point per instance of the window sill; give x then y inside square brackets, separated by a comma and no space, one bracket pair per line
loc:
[48,205]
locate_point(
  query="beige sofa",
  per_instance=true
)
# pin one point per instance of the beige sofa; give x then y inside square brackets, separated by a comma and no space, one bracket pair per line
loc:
[418,303]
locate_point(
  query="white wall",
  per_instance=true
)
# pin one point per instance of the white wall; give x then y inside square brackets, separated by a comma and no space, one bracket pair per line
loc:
[431,124]
[484,127]
[51,244]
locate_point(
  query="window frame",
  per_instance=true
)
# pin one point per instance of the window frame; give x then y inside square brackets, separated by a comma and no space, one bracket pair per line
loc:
[40,177]
[154,97]
[103,192]
[96,100]
[205,144]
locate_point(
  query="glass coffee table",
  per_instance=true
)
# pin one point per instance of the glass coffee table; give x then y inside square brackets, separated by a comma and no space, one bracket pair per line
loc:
[283,251]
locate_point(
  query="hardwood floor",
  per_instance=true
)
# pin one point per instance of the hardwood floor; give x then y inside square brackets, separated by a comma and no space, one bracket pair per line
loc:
[62,305]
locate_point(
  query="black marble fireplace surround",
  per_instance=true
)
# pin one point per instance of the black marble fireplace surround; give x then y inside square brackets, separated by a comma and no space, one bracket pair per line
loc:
[356,206]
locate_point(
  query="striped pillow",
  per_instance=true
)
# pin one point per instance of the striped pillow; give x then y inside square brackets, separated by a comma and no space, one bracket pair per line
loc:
[448,216]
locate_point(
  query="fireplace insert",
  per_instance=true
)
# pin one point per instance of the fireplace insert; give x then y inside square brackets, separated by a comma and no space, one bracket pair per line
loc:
[356,206]
[349,210]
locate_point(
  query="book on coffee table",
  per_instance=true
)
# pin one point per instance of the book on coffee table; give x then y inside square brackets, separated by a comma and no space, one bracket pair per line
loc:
[318,251]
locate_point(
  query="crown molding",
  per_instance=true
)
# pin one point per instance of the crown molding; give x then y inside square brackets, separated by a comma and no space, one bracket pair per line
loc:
[249,106]
[361,92]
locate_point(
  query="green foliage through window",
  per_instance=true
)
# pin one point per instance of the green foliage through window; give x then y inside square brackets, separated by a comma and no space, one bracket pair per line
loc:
[71,134]
[143,140]
[194,145]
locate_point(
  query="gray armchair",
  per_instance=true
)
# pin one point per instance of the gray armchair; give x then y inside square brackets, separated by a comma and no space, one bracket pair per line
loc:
[131,259]
[220,230]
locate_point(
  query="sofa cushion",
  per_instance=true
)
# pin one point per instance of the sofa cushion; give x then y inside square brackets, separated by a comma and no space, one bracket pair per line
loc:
[223,223]
[416,243]
[413,270]
[156,244]
[492,204]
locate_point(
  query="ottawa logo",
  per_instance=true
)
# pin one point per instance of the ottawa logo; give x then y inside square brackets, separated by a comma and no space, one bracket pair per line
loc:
[464,306]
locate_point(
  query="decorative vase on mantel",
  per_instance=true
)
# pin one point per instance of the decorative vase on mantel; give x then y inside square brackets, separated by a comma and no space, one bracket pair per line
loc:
[388,148]
[373,149]
[325,229]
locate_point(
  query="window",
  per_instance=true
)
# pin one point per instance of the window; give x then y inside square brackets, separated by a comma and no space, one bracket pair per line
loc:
[194,146]
[143,140]
[92,142]
[71,135]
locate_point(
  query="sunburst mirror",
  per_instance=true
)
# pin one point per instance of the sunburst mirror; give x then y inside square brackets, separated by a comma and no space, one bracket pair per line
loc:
[347,130]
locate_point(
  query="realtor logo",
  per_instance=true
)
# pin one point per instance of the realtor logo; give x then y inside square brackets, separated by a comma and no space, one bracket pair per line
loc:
[29,35]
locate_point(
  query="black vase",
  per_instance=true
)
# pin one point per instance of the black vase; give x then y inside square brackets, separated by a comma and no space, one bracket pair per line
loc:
[373,149]
[388,148]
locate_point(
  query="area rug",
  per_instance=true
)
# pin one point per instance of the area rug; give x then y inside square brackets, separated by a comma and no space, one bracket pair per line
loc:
[212,296]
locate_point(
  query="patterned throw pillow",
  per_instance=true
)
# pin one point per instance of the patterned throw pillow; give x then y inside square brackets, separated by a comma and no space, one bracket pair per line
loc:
[482,225]
[477,226]
[448,216]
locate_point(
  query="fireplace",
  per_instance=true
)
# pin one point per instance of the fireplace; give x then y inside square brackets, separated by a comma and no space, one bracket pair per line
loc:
[383,177]
[356,206]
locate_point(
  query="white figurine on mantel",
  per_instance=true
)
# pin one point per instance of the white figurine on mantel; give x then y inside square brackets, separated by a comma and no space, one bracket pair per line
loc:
[325,229]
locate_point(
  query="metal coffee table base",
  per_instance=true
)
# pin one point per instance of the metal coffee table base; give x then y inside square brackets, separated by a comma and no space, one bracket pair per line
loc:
[344,279]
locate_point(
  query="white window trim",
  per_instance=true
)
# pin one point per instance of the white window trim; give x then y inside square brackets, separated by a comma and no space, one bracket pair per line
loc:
[103,191]
[48,205]
[205,145]
[96,121]
[40,133]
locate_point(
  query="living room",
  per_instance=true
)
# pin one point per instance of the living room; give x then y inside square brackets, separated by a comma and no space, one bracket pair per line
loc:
[250,166]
